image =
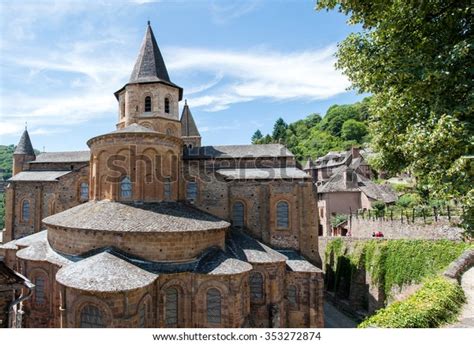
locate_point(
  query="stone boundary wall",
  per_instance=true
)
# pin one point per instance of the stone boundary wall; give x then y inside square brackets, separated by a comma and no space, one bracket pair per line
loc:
[442,229]
[456,269]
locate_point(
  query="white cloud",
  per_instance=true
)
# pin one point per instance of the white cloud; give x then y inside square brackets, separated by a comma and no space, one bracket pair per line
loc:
[224,12]
[246,76]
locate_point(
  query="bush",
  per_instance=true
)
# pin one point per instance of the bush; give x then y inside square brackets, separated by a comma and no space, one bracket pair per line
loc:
[437,302]
[408,200]
[337,219]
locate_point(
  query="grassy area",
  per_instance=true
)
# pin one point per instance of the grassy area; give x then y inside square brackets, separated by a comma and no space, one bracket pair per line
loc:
[438,302]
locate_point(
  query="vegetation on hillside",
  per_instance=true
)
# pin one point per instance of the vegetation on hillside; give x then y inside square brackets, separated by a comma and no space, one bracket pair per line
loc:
[343,126]
[6,160]
[421,85]
[437,302]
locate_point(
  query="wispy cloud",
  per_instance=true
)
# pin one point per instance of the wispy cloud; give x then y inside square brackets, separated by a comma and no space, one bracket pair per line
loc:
[246,76]
[225,11]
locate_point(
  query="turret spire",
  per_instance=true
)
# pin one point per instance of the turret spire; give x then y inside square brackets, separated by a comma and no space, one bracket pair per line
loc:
[24,146]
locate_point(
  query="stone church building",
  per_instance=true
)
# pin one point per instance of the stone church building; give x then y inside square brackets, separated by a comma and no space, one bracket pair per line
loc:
[150,229]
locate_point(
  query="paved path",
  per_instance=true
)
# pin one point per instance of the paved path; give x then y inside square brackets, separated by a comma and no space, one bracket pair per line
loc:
[467,316]
[334,318]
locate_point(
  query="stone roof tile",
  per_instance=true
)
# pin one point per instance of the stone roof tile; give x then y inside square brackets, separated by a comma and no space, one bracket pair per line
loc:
[263,173]
[77,156]
[104,272]
[24,146]
[251,250]
[188,126]
[38,176]
[238,151]
[130,217]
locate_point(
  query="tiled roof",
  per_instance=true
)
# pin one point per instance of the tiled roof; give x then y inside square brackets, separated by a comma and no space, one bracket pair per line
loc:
[104,272]
[337,183]
[38,176]
[263,173]
[129,217]
[78,156]
[24,146]
[297,263]
[250,250]
[41,251]
[188,126]
[218,262]
[238,151]
[309,164]
[134,128]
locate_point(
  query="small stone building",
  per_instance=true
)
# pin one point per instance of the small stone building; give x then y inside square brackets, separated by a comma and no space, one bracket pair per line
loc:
[151,229]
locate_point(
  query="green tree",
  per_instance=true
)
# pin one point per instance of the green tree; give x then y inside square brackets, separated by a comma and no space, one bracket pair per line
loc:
[279,130]
[415,57]
[257,136]
[354,130]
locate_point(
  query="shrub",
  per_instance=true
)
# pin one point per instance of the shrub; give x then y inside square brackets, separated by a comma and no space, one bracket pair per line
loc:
[408,200]
[437,302]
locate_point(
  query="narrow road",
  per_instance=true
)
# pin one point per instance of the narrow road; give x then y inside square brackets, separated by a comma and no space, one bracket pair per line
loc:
[334,318]
[467,314]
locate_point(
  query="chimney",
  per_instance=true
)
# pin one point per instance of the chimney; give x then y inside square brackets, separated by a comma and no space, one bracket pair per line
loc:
[350,178]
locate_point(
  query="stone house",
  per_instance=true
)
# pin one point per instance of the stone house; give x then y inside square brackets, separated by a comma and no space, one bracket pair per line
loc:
[150,229]
[345,192]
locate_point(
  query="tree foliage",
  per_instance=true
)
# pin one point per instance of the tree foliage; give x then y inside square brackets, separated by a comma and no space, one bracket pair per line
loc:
[315,136]
[257,136]
[415,57]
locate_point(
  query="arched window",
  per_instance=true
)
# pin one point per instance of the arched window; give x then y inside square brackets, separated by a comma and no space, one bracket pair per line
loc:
[171,307]
[213,306]
[169,132]
[148,104]
[256,286]
[40,291]
[91,317]
[126,188]
[291,296]
[191,191]
[25,210]
[167,105]
[238,213]
[282,214]
[167,189]
[84,191]
[142,315]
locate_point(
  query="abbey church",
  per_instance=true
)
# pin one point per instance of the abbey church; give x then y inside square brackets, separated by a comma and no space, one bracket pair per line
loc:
[148,228]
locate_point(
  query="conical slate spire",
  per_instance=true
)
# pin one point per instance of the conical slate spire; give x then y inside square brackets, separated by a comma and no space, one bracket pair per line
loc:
[24,146]
[188,126]
[150,65]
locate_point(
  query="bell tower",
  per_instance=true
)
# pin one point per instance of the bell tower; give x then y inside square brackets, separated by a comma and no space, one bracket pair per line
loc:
[150,98]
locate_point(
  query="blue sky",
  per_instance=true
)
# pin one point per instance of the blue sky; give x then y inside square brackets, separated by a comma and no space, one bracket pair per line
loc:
[242,64]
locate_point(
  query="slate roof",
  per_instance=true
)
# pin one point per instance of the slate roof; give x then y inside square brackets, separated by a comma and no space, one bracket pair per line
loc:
[188,126]
[24,146]
[77,156]
[297,263]
[41,251]
[150,66]
[38,176]
[25,241]
[237,151]
[129,217]
[218,262]
[246,248]
[263,173]
[134,128]
[337,183]
[104,272]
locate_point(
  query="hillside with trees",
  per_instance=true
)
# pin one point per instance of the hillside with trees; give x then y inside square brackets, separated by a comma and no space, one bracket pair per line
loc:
[6,160]
[341,127]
